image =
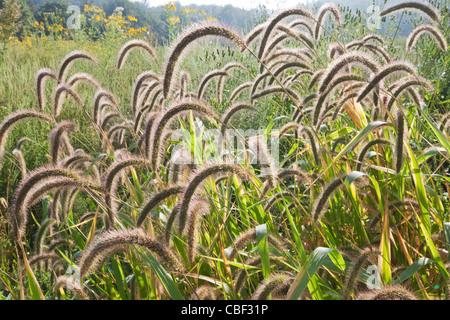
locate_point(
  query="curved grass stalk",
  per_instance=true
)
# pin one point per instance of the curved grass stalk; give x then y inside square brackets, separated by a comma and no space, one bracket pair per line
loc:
[324,11]
[432,31]
[184,205]
[185,39]
[418,6]
[12,120]
[132,44]
[68,61]
[119,241]
[40,81]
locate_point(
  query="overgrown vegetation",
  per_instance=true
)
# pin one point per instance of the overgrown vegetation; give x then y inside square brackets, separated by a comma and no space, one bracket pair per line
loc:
[290,163]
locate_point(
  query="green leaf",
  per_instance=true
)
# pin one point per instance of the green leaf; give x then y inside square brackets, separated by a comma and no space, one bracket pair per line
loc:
[218,283]
[352,176]
[441,137]
[120,279]
[409,272]
[261,237]
[35,289]
[339,133]
[359,137]
[314,261]
[162,275]
[447,237]
[424,217]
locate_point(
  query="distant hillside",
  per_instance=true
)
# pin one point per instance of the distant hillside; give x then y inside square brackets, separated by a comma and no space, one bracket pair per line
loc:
[239,19]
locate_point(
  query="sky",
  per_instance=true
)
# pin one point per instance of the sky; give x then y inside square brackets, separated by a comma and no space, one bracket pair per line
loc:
[244,4]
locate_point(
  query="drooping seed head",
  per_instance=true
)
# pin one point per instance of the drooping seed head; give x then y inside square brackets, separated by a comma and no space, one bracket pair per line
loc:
[83,77]
[325,10]
[259,148]
[249,236]
[206,78]
[393,292]
[69,282]
[144,76]
[13,119]
[102,97]
[365,147]
[36,184]
[110,181]
[321,204]
[335,49]
[353,58]
[155,199]
[69,59]
[275,20]
[115,241]
[60,92]
[197,179]
[274,283]
[424,8]
[56,137]
[132,44]
[187,37]
[176,108]
[391,69]
[239,89]
[401,140]
[432,31]
[40,80]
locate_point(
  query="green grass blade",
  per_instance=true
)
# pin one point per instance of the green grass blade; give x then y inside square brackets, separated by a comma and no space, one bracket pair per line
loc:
[447,237]
[424,217]
[361,135]
[441,137]
[412,269]
[315,260]
[163,276]
[261,236]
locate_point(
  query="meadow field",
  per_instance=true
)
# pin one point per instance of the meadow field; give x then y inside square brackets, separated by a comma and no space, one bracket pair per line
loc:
[305,159]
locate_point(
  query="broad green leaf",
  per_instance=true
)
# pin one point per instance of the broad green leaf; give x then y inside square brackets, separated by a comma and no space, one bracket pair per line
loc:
[162,275]
[352,176]
[441,137]
[120,279]
[261,237]
[339,133]
[314,261]
[35,289]
[409,272]
[357,139]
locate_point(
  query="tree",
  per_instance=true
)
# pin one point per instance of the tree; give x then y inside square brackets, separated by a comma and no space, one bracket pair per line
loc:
[9,19]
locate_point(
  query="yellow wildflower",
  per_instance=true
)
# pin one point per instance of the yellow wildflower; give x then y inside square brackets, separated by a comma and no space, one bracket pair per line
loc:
[173,20]
[171,6]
